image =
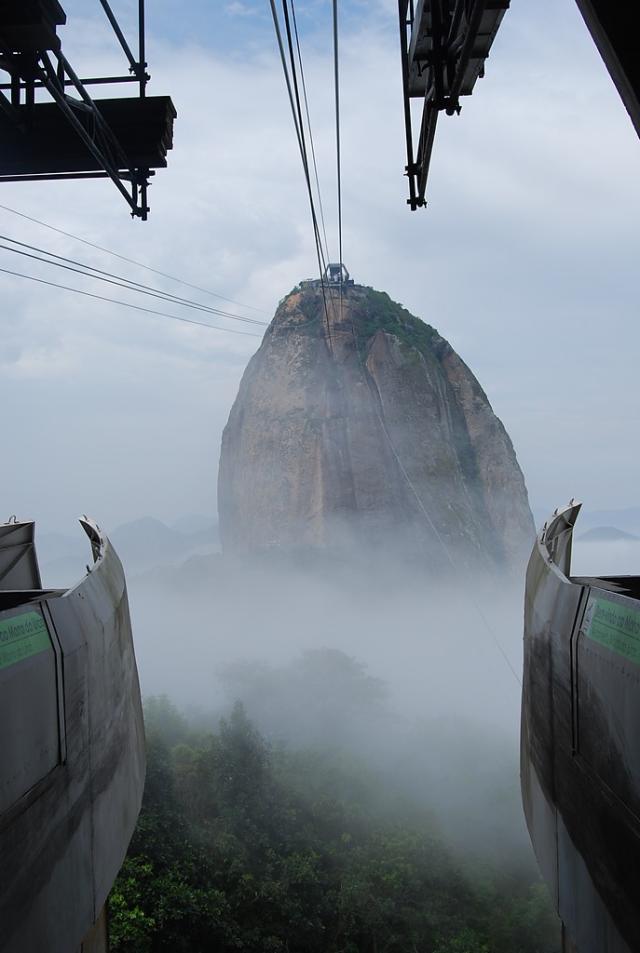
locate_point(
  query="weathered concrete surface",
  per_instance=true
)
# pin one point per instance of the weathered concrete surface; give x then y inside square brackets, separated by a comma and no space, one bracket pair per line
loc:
[367,430]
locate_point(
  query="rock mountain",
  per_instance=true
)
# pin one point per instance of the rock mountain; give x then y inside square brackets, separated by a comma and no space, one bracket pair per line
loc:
[358,427]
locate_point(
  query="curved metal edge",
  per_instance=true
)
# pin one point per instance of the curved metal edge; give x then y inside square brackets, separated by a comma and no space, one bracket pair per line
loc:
[556,536]
[97,538]
[66,843]
[550,603]
[558,808]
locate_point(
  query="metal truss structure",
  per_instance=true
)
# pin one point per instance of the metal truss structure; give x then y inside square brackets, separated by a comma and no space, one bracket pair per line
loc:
[72,135]
[444,45]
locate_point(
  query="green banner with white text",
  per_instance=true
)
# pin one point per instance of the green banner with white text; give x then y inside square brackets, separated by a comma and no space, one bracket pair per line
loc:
[22,636]
[615,626]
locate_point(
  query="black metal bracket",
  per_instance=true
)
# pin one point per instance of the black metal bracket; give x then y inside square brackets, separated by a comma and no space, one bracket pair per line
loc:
[443,46]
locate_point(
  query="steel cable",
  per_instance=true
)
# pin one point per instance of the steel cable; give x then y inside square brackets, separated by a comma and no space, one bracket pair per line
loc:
[336,76]
[127,304]
[308,116]
[121,282]
[130,261]
[299,129]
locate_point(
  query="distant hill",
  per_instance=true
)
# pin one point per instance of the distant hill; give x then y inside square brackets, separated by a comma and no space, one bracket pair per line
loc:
[628,519]
[195,524]
[142,545]
[148,538]
[625,520]
[605,534]
[146,543]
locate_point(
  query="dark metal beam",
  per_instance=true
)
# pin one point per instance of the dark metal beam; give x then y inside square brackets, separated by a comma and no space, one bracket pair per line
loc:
[52,176]
[406,19]
[467,48]
[89,81]
[425,148]
[120,35]
[141,49]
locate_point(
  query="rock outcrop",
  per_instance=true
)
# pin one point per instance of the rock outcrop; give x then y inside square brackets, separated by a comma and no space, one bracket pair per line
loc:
[357,426]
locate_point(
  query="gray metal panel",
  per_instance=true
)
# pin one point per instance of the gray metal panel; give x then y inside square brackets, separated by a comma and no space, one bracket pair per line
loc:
[589,923]
[18,563]
[29,724]
[542,818]
[98,611]
[64,841]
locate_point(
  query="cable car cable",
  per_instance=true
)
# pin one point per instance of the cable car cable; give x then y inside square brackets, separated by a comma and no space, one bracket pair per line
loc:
[308,116]
[130,261]
[336,76]
[322,264]
[118,284]
[325,255]
[123,282]
[127,304]
[299,135]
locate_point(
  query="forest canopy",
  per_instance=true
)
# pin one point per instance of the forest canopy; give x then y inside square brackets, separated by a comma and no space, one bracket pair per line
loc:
[254,845]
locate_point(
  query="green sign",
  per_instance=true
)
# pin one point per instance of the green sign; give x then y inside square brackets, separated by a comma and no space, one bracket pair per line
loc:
[22,636]
[614,625]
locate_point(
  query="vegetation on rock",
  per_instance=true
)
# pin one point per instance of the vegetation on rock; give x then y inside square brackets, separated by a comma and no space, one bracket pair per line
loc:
[375,312]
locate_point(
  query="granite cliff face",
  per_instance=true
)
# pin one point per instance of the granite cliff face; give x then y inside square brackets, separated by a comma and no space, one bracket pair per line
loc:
[364,431]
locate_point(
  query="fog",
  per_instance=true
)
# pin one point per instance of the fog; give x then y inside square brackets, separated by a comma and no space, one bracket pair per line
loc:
[385,665]
[431,646]
[414,677]
[420,679]
[613,558]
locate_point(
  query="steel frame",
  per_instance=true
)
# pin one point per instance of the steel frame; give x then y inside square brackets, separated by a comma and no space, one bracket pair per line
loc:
[454,31]
[33,71]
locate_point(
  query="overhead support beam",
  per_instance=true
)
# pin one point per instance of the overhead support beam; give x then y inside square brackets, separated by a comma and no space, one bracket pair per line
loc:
[89,81]
[444,45]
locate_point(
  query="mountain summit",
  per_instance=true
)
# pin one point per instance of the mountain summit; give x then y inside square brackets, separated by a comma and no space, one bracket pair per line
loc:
[357,426]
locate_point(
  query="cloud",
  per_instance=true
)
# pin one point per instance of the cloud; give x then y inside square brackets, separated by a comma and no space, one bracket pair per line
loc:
[238,9]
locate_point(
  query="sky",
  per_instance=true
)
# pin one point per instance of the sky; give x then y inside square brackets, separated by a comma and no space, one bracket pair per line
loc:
[525,259]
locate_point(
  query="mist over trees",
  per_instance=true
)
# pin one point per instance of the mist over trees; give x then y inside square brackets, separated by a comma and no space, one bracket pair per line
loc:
[276,828]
